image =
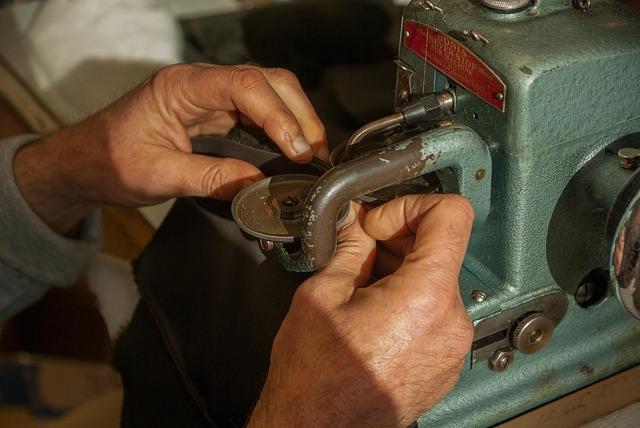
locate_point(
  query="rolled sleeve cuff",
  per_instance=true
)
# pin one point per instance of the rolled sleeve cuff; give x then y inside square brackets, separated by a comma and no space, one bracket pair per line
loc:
[28,247]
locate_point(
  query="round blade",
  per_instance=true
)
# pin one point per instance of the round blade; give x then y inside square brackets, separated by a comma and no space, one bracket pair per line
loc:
[271,209]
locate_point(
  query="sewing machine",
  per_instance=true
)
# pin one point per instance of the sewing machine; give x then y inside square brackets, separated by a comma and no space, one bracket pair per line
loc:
[531,110]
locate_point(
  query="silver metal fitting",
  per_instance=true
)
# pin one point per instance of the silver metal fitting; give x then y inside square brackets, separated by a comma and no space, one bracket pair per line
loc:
[431,107]
[478,296]
[506,6]
[629,157]
[501,359]
[473,35]
[581,4]
[429,6]
[532,333]
[266,245]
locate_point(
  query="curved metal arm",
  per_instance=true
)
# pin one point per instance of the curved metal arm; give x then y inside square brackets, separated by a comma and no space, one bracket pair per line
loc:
[454,146]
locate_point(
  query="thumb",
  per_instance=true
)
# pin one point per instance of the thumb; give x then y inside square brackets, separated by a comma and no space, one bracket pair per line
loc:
[352,264]
[218,178]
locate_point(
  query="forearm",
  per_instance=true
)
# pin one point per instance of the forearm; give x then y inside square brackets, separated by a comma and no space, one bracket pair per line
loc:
[46,173]
[33,257]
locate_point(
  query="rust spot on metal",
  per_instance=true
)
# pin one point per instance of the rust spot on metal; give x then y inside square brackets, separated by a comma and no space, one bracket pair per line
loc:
[586,370]
[480,174]
[526,70]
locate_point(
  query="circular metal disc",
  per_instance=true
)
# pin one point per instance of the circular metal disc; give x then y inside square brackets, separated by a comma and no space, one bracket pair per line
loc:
[271,209]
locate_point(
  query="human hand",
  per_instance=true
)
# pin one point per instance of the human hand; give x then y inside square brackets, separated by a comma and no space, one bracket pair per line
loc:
[137,151]
[351,353]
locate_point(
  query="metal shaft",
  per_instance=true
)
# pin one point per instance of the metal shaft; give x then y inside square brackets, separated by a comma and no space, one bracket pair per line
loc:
[428,108]
[454,146]
[371,128]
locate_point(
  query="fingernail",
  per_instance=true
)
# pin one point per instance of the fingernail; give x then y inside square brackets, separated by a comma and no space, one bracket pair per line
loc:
[300,146]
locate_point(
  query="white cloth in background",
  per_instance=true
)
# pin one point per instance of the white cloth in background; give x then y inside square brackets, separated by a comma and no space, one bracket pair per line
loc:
[78,55]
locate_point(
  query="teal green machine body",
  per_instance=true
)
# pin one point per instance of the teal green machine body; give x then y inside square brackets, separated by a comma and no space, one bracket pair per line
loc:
[570,102]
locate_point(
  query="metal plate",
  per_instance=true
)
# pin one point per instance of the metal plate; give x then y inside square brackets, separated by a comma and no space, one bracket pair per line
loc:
[271,209]
[456,61]
[492,333]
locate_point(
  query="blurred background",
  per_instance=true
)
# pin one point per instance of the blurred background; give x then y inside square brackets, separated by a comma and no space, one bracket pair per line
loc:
[61,60]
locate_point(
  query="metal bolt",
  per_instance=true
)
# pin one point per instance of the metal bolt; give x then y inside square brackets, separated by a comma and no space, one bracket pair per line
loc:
[290,201]
[506,6]
[501,359]
[266,246]
[427,5]
[480,174]
[406,34]
[500,96]
[532,333]
[582,4]
[478,296]
[404,95]
[629,157]
[475,36]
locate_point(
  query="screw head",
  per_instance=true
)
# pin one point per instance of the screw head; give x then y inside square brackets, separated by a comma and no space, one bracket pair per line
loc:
[501,359]
[290,201]
[266,245]
[479,175]
[500,96]
[629,157]
[478,296]
[581,4]
[406,33]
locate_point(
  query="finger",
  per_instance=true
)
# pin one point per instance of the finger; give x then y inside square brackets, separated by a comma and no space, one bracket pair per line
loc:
[287,86]
[352,264]
[442,226]
[247,90]
[443,234]
[185,174]
[398,218]
[216,123]
[399,246]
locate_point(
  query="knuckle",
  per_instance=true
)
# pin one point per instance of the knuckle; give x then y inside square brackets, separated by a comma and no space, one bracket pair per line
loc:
[167,85]
[211,178]
[282,75]
[167,75]
[282,119]
[247,79]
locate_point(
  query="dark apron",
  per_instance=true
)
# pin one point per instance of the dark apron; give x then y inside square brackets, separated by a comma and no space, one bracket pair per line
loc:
[196,352]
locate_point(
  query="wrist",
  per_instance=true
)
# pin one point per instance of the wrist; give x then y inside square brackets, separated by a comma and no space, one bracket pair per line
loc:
[300,407]
[46,175]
